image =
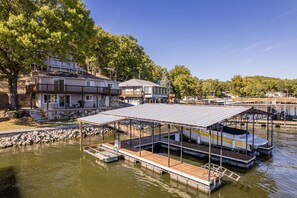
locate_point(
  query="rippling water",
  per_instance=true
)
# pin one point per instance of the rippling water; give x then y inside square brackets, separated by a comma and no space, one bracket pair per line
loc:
[61,170]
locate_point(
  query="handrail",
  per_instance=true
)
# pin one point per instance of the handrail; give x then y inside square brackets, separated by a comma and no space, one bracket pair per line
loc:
[42,87]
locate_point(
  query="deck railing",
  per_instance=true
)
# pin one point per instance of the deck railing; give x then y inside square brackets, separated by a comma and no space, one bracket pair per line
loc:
[55,88]
[132,93]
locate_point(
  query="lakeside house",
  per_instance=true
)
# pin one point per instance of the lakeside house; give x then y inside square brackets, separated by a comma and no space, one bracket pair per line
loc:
[276,95]
[136,92]
[65,87]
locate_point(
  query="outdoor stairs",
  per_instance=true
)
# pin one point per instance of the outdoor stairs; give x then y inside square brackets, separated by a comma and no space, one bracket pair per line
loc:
[224,171]
[37,116]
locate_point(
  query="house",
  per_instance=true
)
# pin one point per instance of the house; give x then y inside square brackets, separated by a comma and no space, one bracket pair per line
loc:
[276,94]
[65,86]
[136,91]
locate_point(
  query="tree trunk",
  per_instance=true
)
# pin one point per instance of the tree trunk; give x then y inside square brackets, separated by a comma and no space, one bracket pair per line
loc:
[13,93]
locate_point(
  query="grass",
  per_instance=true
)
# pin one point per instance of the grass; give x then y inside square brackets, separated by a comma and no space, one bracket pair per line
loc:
[28,123]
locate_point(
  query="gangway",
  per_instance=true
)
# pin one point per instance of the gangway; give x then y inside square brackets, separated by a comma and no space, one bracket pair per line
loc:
[102,154]
[224,171]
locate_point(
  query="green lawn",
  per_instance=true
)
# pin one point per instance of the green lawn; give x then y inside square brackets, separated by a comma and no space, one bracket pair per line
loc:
[28,123]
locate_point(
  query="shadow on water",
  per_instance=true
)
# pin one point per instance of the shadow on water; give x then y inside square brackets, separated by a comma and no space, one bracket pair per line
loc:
[8,183]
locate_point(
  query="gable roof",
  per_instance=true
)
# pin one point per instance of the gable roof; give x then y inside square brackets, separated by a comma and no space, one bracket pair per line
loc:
[138,83]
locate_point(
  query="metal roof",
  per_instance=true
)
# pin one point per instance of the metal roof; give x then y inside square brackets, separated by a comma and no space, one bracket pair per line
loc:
[187,115]
[100,119]
[138,83]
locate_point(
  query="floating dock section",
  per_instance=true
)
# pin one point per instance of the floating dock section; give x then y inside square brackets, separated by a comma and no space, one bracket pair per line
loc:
[193,176]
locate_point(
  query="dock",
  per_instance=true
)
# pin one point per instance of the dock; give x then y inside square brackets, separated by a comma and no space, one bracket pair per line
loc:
[187,174]
[141,148]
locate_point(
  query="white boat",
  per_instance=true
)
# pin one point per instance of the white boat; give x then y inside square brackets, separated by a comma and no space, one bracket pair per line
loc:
[234,139]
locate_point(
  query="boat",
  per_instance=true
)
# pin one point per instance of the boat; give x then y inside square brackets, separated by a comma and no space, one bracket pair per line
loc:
[234,139]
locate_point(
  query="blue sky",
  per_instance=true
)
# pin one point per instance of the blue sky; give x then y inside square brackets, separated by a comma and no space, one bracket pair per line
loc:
[213,38]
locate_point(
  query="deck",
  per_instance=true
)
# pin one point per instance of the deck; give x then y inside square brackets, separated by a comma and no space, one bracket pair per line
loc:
[229,157]
[194,176]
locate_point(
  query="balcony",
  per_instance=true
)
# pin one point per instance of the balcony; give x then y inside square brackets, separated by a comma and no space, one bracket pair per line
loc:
[70,89]
[132,94]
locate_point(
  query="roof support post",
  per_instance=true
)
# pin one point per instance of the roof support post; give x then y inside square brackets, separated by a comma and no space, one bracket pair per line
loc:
[253,130]
[140,138]
[190,134]
[271,143]
[130,133]
[221,151]
[181,144]
[217,135]
[159,131]
[102,137]
[246,134]
[240,121]
[209,154]
[153,131]
[114,133]
[81,135]
[267,129]
[168,143]
[118,127]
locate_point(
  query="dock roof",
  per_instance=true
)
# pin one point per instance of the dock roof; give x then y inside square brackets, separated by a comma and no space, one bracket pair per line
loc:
[183,115]
[188,115]
[100,119]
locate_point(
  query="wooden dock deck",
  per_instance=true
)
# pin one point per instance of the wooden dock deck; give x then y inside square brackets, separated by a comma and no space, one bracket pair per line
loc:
[194,176]
[229,157]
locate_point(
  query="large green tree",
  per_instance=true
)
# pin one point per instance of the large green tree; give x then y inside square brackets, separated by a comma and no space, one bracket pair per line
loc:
[30,31]
[122,58]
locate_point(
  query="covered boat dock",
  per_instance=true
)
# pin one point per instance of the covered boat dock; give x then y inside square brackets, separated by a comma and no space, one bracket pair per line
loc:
[203,117]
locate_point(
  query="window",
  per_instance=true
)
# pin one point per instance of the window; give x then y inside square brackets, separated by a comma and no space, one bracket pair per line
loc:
[110,85]
[50,98]
[89,83]
[89,97]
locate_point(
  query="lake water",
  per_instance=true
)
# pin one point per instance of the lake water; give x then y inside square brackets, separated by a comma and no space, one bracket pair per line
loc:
[61,170]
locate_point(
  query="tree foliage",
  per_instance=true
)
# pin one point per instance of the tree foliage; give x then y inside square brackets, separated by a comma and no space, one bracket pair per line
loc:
[121,57]
[32,30]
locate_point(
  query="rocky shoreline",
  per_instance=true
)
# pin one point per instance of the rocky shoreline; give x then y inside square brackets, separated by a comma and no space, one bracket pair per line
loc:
[39,137]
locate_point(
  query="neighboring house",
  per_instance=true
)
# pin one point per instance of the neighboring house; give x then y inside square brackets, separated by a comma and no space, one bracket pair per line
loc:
[137,92]
[66,86]
[276,95]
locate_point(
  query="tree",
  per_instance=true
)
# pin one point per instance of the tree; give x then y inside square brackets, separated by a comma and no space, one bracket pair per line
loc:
[122,57]
[30,31]
[184,84]
[165,81]
[178,70]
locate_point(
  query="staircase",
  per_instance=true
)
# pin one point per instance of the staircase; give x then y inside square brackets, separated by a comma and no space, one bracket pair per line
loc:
[224,171]
[37,116]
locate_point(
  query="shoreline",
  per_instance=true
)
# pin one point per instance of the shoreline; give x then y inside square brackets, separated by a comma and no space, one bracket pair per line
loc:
[40,136]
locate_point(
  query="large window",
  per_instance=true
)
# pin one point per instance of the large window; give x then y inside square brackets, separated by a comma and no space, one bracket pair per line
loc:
[50,98]
[89,98]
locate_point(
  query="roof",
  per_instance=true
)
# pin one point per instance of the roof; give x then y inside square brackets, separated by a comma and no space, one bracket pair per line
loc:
[100,119]
[73,75]
[138,83]
[187,115]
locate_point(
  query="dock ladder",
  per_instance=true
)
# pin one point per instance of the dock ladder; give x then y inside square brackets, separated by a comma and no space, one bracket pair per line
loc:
[224,171]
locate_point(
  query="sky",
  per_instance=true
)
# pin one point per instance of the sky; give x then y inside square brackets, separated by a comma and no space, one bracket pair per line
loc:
[213,38]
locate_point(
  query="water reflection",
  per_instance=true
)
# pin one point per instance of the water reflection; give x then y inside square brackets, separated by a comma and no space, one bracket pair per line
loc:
[8,183]
[61,170]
